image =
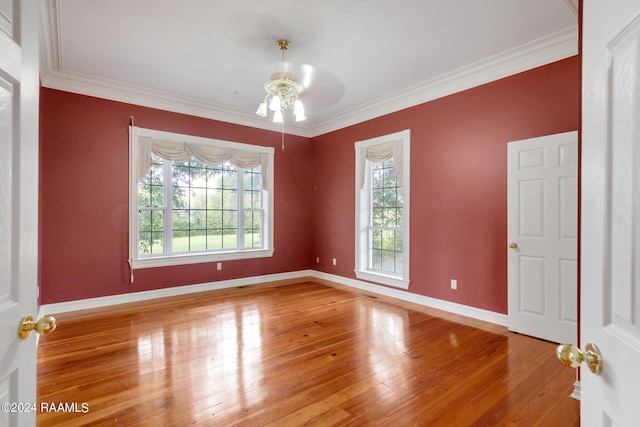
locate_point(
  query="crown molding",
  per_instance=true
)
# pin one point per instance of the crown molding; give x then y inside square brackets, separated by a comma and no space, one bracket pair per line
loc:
[117,91]
[573,5]
[545,50]
[554,47]
[50,58]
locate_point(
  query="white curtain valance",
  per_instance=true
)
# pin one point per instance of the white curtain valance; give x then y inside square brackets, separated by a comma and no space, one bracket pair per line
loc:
[209,155]
[381,153]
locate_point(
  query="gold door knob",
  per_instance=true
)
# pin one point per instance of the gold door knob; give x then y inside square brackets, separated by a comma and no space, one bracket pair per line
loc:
[44,326]
[572,356]
[513,245]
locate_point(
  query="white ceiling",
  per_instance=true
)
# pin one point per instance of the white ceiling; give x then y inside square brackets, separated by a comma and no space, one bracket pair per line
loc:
[357,59]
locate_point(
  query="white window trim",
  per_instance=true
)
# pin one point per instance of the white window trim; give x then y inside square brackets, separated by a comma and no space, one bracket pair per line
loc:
[192,258]
[363,212]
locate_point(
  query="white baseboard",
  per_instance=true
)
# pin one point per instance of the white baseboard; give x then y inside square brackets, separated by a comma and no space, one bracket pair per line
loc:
[84,304]
[576,390]
[452,307]
[463,310]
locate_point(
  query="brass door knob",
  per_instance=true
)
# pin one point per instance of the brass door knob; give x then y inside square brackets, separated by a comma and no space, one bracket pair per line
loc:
[572,356]
[513,245]
[44,326]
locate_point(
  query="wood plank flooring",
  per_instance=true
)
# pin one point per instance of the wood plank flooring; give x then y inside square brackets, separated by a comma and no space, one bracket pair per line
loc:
[287,354]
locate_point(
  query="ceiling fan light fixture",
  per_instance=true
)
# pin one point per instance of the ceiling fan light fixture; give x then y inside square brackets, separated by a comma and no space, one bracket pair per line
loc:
[275,104]
[262,108]
[298,111]
[282,93]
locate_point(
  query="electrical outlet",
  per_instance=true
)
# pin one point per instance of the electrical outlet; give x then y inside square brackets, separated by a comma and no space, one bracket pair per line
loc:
[219,266]
[317,259]
[454,284]
[334,261]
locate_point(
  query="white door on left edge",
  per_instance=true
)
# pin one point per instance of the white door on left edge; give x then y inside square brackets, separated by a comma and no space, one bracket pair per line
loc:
[19,88]
[542,230]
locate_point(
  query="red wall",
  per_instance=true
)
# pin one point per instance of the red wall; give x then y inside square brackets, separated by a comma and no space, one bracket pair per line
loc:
[458,181]
[84,199]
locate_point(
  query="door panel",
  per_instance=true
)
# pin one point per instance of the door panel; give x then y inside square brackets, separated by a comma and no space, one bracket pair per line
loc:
[532,158]
[6,16]
[532,197]
[542,222]
[568,291]
[532,285]
[568,200]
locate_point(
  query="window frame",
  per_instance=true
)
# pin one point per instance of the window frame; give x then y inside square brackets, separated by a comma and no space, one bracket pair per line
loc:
[363,214]
[138,262]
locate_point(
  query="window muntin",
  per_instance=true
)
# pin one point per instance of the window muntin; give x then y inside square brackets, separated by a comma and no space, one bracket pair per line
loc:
[203,211]
[385,229]
[252,208]
[185,211]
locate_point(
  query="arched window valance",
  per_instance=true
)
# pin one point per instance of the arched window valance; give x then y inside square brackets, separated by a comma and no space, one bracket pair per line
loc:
[207,154]
[381,153]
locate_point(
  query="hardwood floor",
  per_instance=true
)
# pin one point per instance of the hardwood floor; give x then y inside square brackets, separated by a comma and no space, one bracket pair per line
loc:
[285,354]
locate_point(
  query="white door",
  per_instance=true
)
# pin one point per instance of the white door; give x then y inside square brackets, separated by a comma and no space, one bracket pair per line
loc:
[542,230]
[19,88]
[610,226]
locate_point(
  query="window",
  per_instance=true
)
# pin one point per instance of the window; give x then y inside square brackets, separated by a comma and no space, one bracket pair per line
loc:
[198,200]
[382,209]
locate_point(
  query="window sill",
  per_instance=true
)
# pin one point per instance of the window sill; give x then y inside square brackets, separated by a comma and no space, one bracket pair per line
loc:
[383,279]
[185,259]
